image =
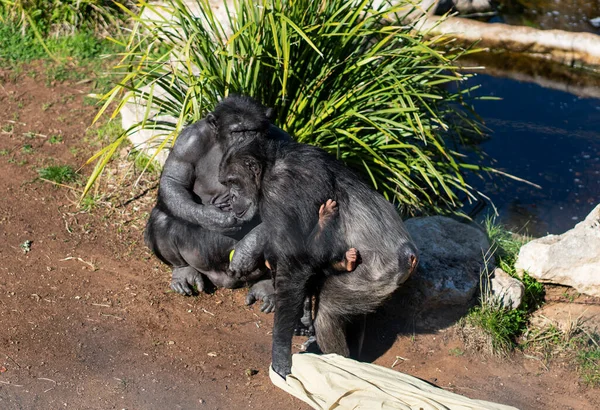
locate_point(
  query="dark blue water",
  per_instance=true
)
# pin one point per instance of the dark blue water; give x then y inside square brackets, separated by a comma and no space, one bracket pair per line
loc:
[548,137]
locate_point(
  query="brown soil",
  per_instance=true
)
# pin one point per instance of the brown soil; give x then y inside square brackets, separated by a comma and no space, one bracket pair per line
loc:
[88,322]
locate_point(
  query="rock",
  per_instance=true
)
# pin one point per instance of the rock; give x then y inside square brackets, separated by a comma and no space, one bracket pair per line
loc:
[506,290]
[451,259]
[595,22]
[571,259]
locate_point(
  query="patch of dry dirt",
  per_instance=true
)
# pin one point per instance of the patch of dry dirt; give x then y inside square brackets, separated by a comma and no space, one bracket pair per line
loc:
[88,323]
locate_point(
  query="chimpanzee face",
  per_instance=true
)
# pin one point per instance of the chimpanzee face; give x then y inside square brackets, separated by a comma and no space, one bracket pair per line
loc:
[242,177]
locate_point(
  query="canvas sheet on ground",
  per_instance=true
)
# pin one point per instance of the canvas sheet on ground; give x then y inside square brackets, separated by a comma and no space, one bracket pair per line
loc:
[335,382]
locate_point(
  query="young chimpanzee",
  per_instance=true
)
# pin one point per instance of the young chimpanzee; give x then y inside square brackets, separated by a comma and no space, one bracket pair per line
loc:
[192,227]
[287,183]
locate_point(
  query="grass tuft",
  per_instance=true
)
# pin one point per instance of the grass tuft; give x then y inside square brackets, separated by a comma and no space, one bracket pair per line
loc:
[489,326]
[589,362]
[61,174]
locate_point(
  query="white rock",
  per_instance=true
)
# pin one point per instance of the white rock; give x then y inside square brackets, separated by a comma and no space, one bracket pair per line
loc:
[571,259]
[506,290]
[450,261]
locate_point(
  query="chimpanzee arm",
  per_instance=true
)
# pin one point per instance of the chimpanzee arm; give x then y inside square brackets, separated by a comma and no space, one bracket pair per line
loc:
[178,178]
[249,252]
[290,287]
[325,242]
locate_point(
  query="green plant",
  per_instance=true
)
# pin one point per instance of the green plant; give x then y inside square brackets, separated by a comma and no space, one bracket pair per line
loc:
[588,359]
[27,149]
[64,16]
[374,94]
[490,326]
[143,163]
[8,128]
[60,174]
[89,202]
[55,139]
[506,246]
[456,352]
[108,132]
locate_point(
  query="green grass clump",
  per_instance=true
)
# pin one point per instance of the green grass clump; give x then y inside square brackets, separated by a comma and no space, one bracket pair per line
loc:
[65,17]
[143,162]
[55,139]
[507,246]
[499,326]
[490,326]
[61,174]
[589,363]
[74,57]
[378,95]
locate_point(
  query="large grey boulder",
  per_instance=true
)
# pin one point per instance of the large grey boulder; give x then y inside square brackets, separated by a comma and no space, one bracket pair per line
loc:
[571,259]
[452,257]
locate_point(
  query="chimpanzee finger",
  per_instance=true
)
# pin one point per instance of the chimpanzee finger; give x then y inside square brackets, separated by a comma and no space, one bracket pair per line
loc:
[250,298]
[199,283]
[268,305]
[186,288]
[179,288]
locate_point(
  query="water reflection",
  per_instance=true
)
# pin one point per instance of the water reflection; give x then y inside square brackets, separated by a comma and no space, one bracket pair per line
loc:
[549,137]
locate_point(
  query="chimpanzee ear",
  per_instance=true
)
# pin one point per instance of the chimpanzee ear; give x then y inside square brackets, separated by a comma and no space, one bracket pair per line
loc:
[270,114]
[253,165]
[211,119]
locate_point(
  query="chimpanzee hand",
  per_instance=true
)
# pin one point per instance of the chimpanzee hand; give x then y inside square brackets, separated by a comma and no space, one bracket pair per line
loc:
[223,202]
[265,292]
[185,279]
[220,221]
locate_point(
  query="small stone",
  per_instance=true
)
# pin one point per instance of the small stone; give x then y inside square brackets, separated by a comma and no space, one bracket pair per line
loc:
[170,342]
[506,290]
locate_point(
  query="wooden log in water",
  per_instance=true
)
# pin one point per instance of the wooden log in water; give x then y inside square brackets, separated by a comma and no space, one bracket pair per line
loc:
[556,45]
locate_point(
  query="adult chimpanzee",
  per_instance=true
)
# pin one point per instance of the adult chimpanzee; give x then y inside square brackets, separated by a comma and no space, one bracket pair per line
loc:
[192,228]
[286,183]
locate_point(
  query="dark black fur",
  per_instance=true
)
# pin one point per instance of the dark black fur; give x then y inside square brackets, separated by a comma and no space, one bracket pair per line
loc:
[287,182]
[192,227]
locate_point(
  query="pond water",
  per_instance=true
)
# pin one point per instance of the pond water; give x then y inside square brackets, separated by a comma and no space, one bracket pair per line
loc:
[548,137]
[569,15]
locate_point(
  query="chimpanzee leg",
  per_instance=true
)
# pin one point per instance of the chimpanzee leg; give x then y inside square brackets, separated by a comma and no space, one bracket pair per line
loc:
[290,286]
[305,326]
[330,329]
[189,249]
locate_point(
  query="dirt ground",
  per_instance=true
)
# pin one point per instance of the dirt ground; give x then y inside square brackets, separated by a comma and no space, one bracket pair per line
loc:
[87,321]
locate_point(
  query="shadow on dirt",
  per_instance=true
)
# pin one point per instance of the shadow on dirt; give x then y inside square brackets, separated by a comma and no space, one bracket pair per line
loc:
[403,315]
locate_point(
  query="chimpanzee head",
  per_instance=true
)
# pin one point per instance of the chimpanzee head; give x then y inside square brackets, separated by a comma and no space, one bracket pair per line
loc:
[238,119]
[241,172]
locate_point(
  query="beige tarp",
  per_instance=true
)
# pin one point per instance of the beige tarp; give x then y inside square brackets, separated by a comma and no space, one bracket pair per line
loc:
[334,382]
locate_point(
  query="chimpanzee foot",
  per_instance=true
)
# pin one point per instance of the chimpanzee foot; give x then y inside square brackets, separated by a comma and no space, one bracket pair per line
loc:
[185,279]
[349,263]
[352,259]
[302,330]
[310,344]
[327,211]
[265,292]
